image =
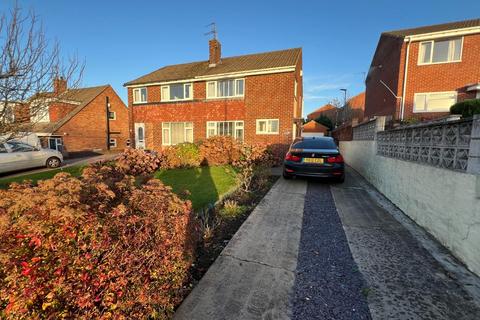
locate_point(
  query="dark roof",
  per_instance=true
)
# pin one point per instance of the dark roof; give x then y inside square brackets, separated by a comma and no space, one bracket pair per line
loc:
[273,59]
[83,96]
[435,28]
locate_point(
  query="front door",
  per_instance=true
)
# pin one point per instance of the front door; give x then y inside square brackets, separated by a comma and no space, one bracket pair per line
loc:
[140,135]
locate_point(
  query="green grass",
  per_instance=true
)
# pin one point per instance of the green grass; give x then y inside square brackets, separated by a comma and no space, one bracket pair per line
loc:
[73,170]
[205,184]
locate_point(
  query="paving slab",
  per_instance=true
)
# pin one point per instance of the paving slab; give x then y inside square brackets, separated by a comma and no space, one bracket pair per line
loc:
[405,281]
[254,275]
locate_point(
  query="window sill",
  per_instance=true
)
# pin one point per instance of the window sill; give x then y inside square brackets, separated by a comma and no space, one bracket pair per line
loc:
[431,111]
[267,133]
[226,98]
[435,63]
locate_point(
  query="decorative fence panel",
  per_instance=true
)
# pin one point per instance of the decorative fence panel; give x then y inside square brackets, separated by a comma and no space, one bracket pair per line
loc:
[365,131]
[445,145]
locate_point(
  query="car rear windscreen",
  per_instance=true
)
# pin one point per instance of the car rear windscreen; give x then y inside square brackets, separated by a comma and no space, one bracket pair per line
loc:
[315,144]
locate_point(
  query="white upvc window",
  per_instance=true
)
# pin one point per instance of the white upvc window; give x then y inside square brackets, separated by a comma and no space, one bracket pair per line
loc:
[112,115]
[440,51]
[267,126]
[113,143]
[176,132]
[229,88]
[140,95]
[295,88]
[233,129]
[177,91]
[434,101]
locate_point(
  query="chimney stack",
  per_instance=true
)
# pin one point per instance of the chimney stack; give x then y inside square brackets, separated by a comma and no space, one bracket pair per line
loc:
[59,85]
[215,52]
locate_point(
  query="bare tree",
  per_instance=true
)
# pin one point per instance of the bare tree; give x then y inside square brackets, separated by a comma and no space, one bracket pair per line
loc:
[28,65]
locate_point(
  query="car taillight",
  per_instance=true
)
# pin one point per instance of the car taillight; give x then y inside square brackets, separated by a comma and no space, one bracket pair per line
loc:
[336,159]
[291,157]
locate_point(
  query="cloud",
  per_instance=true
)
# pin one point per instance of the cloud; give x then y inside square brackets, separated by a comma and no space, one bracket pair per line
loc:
[309,96]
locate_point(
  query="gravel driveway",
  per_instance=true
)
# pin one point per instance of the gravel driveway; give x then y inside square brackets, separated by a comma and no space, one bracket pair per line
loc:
[328,284]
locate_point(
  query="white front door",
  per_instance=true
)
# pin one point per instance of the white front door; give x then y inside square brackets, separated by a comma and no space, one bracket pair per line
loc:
[140,135]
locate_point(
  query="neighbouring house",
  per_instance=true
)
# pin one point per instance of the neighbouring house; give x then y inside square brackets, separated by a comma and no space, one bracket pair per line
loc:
[255,98]
[327,110]
[82,120]
[420,72]
[314,129]
[354,109]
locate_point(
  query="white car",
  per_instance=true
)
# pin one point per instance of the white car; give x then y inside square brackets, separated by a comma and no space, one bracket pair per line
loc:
[15,155]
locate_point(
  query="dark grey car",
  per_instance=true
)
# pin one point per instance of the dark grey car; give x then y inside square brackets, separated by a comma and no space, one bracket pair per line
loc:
[314,157]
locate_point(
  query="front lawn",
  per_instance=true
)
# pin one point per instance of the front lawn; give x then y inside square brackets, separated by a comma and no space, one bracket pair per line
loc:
[73,170]
[204,184]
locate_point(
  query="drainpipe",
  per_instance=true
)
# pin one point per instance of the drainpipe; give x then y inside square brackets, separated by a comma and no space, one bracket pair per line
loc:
[107,107]
[404,89]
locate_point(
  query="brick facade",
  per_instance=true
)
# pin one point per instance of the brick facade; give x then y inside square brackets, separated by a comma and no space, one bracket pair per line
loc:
[266,96]
[86,130]
[388,65]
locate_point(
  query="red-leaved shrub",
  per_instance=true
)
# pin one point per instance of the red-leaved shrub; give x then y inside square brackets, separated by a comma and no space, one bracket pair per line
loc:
[138,162]
[94,247]
[220,150]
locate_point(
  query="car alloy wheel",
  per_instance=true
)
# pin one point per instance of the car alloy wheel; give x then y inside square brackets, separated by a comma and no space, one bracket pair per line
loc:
[53,162]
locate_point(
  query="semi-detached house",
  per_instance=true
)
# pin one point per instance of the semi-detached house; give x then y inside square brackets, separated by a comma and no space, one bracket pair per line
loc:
[420,72]
[255,98]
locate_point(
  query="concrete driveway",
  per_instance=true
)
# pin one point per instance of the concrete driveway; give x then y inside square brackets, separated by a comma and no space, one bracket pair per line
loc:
[314,250]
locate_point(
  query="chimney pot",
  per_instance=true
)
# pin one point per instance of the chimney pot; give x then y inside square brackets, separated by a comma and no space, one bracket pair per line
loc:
[215,52]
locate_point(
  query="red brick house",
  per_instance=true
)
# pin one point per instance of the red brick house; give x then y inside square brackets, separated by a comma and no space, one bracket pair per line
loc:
[76,120]
[420,72]
[255,98]
[314,129]
[327,110]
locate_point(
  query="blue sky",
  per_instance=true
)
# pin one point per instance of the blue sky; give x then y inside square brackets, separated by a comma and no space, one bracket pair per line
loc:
[121,40]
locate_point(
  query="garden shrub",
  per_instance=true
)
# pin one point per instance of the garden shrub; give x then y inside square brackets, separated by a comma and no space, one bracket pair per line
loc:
[231,209]
[138,162]
[466,108]
[252,160]
[184,155]
[220,150]
[94,247]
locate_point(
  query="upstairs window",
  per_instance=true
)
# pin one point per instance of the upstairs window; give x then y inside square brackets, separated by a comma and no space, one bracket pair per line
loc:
[225,88]
[180,91]
[267,126]
[140,95]
[112,115]
[434,101]
[440,51]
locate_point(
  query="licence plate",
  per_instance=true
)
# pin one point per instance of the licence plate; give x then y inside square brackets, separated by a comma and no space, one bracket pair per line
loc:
[313,160]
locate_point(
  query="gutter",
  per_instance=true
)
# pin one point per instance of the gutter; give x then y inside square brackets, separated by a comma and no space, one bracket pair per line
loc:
[405,72]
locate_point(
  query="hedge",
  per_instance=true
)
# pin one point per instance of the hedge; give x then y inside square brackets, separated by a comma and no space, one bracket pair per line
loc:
[466,108]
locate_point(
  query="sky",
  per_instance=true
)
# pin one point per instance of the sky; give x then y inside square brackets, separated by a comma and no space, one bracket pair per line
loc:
[122,40]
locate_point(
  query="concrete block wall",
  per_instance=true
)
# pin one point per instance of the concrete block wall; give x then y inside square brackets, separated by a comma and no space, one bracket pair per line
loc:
[444,202]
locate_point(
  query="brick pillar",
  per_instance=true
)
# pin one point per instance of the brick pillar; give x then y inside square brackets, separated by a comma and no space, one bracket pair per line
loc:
[473,165]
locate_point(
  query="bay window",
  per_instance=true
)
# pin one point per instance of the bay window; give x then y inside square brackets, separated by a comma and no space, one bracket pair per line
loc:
[267,126]
[176,132]
[139,95]
[225,128]
[434,101]
[178,91]
[225,88]
[440,51]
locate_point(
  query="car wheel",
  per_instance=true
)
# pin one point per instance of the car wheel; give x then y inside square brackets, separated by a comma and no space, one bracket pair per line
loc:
[53,162]
[286,176]
[341,179]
